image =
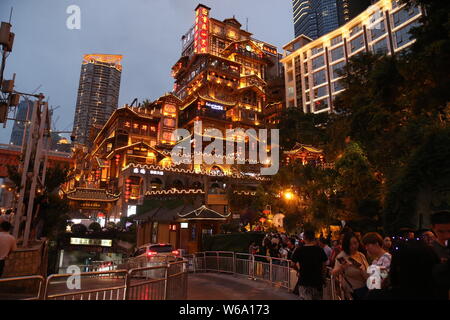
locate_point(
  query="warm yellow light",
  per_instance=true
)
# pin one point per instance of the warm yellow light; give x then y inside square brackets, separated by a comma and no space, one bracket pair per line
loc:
[288,195]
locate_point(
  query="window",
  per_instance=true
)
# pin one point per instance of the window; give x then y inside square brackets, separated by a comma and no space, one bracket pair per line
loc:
[316,50]
[306,83]
[380,46]
[318,62]
[305,67]
[321,105]
[377,30]
[290,76]
[375,16]
[290,91]
[336,40]
[395,4]
[169,122]
[319,77]
[404,15]
[336,69]
[161,248]
[337,53]
[337,86]
[403,36]
[357,43]
[320,92]
[355,29]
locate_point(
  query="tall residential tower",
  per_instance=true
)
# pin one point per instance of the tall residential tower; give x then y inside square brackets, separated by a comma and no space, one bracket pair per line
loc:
[314,18]
[98,95]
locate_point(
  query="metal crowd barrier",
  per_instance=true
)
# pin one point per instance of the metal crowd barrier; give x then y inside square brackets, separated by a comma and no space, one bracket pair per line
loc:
[273,270]
[14,287]
[162,282]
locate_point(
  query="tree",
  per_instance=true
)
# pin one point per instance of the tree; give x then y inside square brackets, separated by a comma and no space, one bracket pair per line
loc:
[306,128]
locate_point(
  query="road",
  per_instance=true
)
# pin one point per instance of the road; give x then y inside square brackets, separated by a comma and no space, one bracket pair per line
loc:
[213,286]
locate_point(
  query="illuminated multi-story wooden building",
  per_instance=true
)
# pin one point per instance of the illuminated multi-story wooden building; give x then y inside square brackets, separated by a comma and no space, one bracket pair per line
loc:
[221,80]
[222,74]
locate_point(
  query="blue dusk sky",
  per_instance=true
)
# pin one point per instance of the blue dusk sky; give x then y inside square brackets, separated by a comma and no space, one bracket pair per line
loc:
[146,32]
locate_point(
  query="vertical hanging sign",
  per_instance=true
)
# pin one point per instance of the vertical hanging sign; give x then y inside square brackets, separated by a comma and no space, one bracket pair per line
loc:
[201,30]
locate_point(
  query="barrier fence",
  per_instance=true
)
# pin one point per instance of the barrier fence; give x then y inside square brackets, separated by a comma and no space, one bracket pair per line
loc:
[160,282]
[163,280]
[278,272]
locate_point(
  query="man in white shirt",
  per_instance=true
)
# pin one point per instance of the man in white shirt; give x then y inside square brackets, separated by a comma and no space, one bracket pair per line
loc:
[7,244]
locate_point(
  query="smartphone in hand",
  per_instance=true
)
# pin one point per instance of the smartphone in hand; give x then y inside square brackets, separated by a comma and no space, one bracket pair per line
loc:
[354,262]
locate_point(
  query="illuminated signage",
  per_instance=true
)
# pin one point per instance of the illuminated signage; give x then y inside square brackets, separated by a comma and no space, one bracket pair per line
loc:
[184,225]
[91,242]
[153,172]
[270,50]
[90,205]
[201,30]
[215,106]
[131,211]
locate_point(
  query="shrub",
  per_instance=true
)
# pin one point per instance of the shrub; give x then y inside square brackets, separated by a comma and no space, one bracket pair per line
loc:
[79,229]
[95,226]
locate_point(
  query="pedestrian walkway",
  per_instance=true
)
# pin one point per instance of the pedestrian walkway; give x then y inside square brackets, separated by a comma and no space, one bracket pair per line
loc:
[212,286]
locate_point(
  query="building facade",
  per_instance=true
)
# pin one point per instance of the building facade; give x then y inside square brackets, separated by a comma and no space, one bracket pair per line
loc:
[98,95]
[312,68]
[314,18]
[225,79]
[221,77]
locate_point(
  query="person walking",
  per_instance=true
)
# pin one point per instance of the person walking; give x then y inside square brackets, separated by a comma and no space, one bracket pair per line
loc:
[310,260]
[7,244]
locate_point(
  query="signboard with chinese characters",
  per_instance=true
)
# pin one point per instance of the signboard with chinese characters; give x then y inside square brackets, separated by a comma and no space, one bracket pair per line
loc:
[201,30]
[91,242]
[270,50]
[215,106]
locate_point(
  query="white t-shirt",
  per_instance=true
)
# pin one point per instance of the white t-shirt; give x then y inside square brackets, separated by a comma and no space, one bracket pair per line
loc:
[7,244]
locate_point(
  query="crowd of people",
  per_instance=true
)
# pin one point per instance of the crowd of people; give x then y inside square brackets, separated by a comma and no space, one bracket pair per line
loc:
[411,265]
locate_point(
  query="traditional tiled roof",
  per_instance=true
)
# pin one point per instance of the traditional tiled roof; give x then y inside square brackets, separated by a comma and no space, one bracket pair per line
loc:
[303,147]
[182,213]
[86,194]
[202,213]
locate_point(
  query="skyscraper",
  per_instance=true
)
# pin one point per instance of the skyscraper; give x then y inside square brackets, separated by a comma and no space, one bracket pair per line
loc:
[314,18]
[98,94]
[20,124]
[305,19]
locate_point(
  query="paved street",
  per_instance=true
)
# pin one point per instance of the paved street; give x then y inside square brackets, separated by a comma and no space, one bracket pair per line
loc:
[212,286]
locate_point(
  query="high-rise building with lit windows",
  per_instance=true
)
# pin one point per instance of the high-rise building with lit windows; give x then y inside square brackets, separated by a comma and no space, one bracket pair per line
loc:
[98,95]
[314,18]
[312,66]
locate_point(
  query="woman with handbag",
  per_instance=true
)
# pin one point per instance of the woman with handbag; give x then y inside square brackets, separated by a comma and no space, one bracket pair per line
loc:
[351,266]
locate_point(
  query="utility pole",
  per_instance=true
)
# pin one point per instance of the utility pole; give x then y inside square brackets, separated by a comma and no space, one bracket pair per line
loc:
[39,159]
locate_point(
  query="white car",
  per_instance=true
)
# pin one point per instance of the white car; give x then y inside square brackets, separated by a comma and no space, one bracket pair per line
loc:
[156,250]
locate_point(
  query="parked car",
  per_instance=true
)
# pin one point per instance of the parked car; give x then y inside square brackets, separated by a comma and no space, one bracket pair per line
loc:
[153,255]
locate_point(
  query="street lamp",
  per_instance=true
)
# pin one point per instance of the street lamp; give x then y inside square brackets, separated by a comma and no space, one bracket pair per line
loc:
[288,195]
